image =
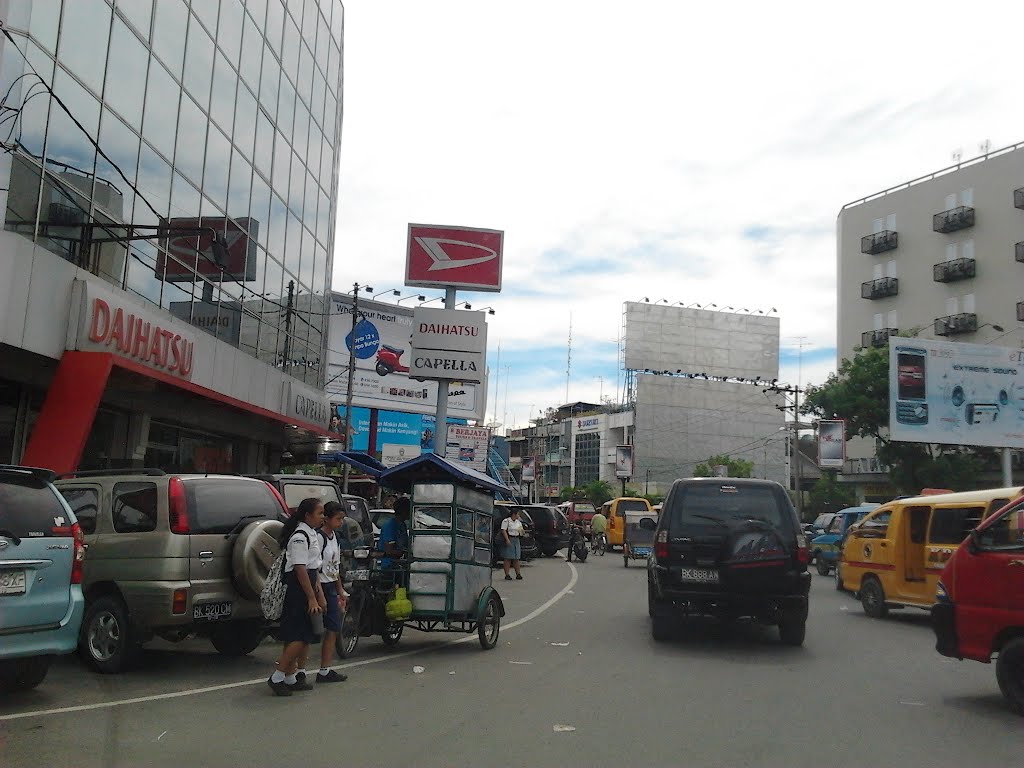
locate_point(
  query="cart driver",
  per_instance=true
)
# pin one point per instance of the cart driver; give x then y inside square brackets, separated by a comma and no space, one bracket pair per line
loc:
[394,536]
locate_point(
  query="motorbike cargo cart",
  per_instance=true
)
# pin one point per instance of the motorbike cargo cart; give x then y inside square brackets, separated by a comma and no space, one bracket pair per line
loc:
[638,536]
[447,572]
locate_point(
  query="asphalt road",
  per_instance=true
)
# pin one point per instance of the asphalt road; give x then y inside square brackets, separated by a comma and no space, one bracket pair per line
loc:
[575,650]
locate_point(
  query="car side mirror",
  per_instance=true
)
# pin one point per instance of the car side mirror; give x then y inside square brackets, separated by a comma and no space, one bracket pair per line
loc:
[972,541]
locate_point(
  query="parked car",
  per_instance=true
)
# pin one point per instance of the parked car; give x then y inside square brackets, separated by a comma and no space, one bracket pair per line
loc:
[41,559]
[825,547]
[528,542]
[172,556]
[550,528]
[579,512]
[295,488]
[730,548]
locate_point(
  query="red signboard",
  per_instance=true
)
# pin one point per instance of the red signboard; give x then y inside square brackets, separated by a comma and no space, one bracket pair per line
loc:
[193,253]
[457,257]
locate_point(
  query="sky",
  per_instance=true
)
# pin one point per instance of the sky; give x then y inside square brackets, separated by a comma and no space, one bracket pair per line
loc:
[692,152]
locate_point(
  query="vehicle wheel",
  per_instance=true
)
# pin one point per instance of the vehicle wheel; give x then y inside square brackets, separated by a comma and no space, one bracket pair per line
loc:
[23,674]
[237,638]
[252,554]
[550,551]
[661,629]
[489,626]
[105,641]
[348,638]
[792,631]
[382,370]
[392,634]
[872,597]
[822,566]
[839,576]
[1010,673]
[650,599]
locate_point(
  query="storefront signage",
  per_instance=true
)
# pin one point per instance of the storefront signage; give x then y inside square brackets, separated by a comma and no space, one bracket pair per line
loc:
[831,443]
[108,323]
[588,425]
[469,444]
[448,344]
[455,257]
[308,405]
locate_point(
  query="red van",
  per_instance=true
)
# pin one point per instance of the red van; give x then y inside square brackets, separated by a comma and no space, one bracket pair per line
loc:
[979,608]
[579,512]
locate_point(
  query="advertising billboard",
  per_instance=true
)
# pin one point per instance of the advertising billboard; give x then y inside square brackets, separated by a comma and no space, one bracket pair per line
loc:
[469,445]
[831,443]
[448,344]
[956,393]
[195,252]
[457,257]
[529,469]
[382,342]
[623,461]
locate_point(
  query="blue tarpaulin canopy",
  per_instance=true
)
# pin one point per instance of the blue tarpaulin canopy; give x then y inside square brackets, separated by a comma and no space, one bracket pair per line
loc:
[430,466]
[364,462]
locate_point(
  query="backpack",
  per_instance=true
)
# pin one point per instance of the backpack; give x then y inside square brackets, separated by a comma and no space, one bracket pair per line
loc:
[272,596]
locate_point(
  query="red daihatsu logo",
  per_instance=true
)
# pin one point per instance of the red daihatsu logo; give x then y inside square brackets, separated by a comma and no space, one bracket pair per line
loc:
[460,257]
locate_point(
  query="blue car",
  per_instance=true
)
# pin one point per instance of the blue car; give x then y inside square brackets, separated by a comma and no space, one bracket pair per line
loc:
[41,555]
[825,548]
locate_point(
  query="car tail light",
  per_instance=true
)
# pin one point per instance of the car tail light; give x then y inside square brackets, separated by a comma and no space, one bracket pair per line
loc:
[79,559]
[178,506]
[661,545]
[179,601]
[280,500]
[803,553]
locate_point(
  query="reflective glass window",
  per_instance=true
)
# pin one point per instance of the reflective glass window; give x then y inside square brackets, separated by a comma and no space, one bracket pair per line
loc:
[258,10]
[282,164]
[330,118]
[310,16]
[308,259]
[275,24]
[44,22]
[269,81]
[278,227]
[314,149]
[332,73]
[121,144]
[327,165]
[141,276]
[169,34]
[184,197]
[252,55]
[286,109]
[199,64]
[207,11]
[263,154]
[155,184]
[297,186]
[222,101]
[300,136]
[85,20]
[192,126]
[218,160]
[290,50]
[273,288]
[241,181]
[160,122]
[293,243]
[259,208]
[312,199]
[305,79]
[65,141]
[126,75]
[321,280]
[323,218]
[139,13]
[229,30]
[323,41]
[316,106]
[245,120]
[174,293]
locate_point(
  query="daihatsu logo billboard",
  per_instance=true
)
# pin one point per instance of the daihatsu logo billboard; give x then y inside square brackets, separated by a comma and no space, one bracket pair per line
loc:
[457,257]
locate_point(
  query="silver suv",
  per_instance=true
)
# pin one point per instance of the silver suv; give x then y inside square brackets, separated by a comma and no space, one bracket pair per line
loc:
[172,556]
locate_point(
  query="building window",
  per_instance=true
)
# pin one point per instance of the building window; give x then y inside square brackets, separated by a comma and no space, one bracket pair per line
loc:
[588,458]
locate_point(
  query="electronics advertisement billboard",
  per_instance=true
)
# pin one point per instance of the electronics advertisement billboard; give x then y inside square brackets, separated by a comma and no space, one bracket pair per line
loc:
[831,443]
[956,393]
[382,341]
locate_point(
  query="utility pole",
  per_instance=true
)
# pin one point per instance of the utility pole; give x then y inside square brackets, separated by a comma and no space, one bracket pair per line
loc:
[351,380]
[795,452]
[289,308]
[441,414]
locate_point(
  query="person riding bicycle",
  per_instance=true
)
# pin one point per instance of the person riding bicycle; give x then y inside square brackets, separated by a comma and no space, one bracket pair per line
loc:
[598,527]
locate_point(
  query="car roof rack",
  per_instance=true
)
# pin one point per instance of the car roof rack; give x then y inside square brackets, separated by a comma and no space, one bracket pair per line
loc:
[44,475]
[144,471]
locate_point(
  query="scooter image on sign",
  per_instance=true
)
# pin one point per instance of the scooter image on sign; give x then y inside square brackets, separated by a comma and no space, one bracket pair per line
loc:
[389,360]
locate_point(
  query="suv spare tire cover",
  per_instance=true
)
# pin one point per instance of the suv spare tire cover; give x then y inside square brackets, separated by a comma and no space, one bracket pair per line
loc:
[254,552]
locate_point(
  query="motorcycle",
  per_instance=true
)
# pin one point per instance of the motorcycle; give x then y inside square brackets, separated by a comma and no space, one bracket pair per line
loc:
[371,588]
[578,544]
[389,360]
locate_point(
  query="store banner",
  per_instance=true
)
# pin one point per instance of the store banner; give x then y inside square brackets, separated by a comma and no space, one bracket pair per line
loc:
[831,443]
[623,461]
[529,469]
[956,393]
[469,444]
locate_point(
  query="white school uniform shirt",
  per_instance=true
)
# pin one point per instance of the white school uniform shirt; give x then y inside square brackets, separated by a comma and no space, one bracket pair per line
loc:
[299,554]
[331,555]
[514,528]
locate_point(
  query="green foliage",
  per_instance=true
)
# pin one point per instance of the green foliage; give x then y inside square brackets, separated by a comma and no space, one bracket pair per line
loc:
[597,493]
[737,467]
[828,495]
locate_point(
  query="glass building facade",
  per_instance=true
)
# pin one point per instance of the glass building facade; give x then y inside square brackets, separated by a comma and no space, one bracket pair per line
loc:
[208,115]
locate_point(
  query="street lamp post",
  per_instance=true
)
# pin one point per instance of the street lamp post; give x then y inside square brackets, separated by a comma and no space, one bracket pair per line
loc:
[351,376]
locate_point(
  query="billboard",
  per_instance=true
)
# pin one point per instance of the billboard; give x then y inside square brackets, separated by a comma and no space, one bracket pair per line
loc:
[457,257]
[382,342]
[469,445]
[831,443]
[529,469]
[659,337]
[623,461]
[956,393]
[241,261]
[448,344]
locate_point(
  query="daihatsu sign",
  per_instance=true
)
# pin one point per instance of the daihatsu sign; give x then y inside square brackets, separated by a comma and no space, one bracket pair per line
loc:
[448,344]
[454,257]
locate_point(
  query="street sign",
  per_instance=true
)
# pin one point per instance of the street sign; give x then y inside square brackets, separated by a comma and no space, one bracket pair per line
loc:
[448,344]
[454,257]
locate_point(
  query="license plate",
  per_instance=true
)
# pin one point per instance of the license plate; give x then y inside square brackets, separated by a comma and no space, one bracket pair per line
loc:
[362,574]
[640,551]
[699,575]
[12,582]
[211,611]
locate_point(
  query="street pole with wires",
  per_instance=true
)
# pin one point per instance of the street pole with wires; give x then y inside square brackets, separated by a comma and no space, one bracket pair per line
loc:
[351,378]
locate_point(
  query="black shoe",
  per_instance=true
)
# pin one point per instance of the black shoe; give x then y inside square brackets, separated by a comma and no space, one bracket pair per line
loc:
[508,578]
[331,677]
[300,677]
[519,578]
[300,685]
[279,689]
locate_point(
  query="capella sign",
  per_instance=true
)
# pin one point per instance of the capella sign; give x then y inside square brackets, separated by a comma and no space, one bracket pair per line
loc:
[129,334]
[313,411]
[448,344]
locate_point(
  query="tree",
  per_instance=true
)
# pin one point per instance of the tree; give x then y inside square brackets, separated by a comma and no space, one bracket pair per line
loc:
[737,467]
[828,495]
[599,491]
[859,393]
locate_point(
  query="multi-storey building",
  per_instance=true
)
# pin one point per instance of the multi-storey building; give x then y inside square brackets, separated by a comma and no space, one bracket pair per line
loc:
[169,186]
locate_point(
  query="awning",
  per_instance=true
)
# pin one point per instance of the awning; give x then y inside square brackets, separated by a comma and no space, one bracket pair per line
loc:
[430,466]
[364,462]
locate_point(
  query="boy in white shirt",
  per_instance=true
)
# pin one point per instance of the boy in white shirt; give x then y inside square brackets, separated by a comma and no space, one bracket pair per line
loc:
[334,592]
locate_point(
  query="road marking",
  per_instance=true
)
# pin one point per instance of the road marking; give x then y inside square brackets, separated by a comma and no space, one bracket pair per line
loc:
[566,590]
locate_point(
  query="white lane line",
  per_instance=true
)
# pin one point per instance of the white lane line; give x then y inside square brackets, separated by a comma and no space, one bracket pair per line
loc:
[566,590]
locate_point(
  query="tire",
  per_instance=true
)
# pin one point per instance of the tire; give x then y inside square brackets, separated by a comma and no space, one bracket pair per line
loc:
[489,625]
[253,553]
[661,629]
[872,597]
[18,675]
[793,631]
[839,576]
[106,641]
[237,638]
[1010,673]
[550,551]
[348,638]
[382,370]
[650,599]
[392,634]
[823,567]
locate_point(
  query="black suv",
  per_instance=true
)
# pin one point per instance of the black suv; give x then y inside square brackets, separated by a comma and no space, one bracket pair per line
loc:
[550,527]
[729,548]
[527,542]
